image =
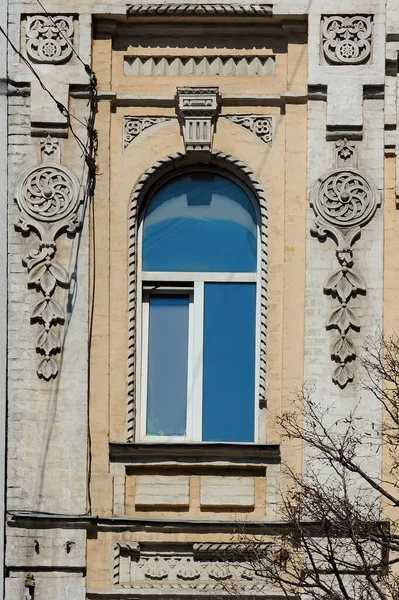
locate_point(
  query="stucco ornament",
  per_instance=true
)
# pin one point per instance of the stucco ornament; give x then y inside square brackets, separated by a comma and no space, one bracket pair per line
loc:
[48,200]
[133,126]
[49,39]
[344,201]
[260,125]
[347,39]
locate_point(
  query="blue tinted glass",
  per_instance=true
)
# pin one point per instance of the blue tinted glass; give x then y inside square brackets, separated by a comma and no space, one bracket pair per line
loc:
[200,222]
[229,362]
[167,366]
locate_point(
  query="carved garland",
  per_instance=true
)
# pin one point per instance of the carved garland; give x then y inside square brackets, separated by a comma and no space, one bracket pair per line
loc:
[346,40]
[48,199]
[165,165]
[49,39]
[344,201]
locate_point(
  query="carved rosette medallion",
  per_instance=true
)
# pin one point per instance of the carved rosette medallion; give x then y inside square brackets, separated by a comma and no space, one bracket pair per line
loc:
[133,126]
[344,201]
[346,39]
[49,39]
[48,200]
[260,125]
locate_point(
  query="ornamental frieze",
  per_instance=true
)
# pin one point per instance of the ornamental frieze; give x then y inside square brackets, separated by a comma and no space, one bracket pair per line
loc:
[48,201]
[49,39]
[344,200]
[346,40]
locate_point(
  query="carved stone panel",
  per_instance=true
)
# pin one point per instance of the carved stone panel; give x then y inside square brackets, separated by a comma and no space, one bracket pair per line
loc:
[344,201]
[346,40]
[48,199]
[185,566]
[49,39]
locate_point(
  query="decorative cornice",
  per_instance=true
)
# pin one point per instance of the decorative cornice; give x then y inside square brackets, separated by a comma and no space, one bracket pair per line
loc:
[253,10]
[163,167]
[202,452]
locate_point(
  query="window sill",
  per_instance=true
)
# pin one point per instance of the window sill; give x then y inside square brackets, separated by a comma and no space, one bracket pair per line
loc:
[150,452]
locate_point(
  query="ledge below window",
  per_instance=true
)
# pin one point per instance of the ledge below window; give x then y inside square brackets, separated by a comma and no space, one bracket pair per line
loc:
[194,452]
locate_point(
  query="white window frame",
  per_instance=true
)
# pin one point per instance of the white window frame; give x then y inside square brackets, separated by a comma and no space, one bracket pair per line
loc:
[194,284]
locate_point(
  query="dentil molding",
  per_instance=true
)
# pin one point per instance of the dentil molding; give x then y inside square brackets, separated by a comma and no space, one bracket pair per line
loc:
[48,201]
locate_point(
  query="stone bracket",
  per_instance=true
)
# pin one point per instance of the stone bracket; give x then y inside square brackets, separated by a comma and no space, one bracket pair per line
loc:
[197,108]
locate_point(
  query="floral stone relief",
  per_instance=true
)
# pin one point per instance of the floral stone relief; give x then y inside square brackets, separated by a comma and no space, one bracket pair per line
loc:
[344,200]
[48,199]
[346,40]
[49,39]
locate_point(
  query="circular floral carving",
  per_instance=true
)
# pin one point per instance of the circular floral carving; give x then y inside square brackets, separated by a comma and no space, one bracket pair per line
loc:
[345,198]
[48,193]
[347,39]
[49,39]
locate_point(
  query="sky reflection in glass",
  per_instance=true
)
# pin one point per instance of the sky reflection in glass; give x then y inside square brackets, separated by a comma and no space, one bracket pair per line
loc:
[167,366]
[229,362]
[200,222]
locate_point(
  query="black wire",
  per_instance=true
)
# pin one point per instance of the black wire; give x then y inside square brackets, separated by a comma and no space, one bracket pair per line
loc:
[89,150]
[85,65]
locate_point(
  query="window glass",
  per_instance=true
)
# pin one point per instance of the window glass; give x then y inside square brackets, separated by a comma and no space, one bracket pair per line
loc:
[228,362]
[200,222]
[167,365]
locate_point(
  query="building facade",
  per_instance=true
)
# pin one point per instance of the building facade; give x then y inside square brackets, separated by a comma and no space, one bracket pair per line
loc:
[199,210]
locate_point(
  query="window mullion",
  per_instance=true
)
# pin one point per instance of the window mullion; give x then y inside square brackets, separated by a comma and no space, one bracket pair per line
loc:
[196,366]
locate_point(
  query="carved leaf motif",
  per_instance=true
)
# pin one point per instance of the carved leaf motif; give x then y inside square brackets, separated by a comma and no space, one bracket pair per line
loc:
[343,374]
[47,368]
[48,342]
[59,273]
[47,282]
[36,274]
[343,349]
[356,280]
[344,289]
[342,318]
[48,311]
[333,281]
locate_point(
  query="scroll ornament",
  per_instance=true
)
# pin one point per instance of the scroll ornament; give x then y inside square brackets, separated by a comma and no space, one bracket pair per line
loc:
[346,39]
[344,201]
[49,39]
[133,126]
[48,199]
[260,125]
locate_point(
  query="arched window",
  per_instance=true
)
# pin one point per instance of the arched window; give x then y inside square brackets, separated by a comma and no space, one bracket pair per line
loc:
[198,270]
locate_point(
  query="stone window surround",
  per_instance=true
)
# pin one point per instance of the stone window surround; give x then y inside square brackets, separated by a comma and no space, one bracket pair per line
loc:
[146,183]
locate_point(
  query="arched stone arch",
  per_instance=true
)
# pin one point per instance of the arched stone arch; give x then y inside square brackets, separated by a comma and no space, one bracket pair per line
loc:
[159,169]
